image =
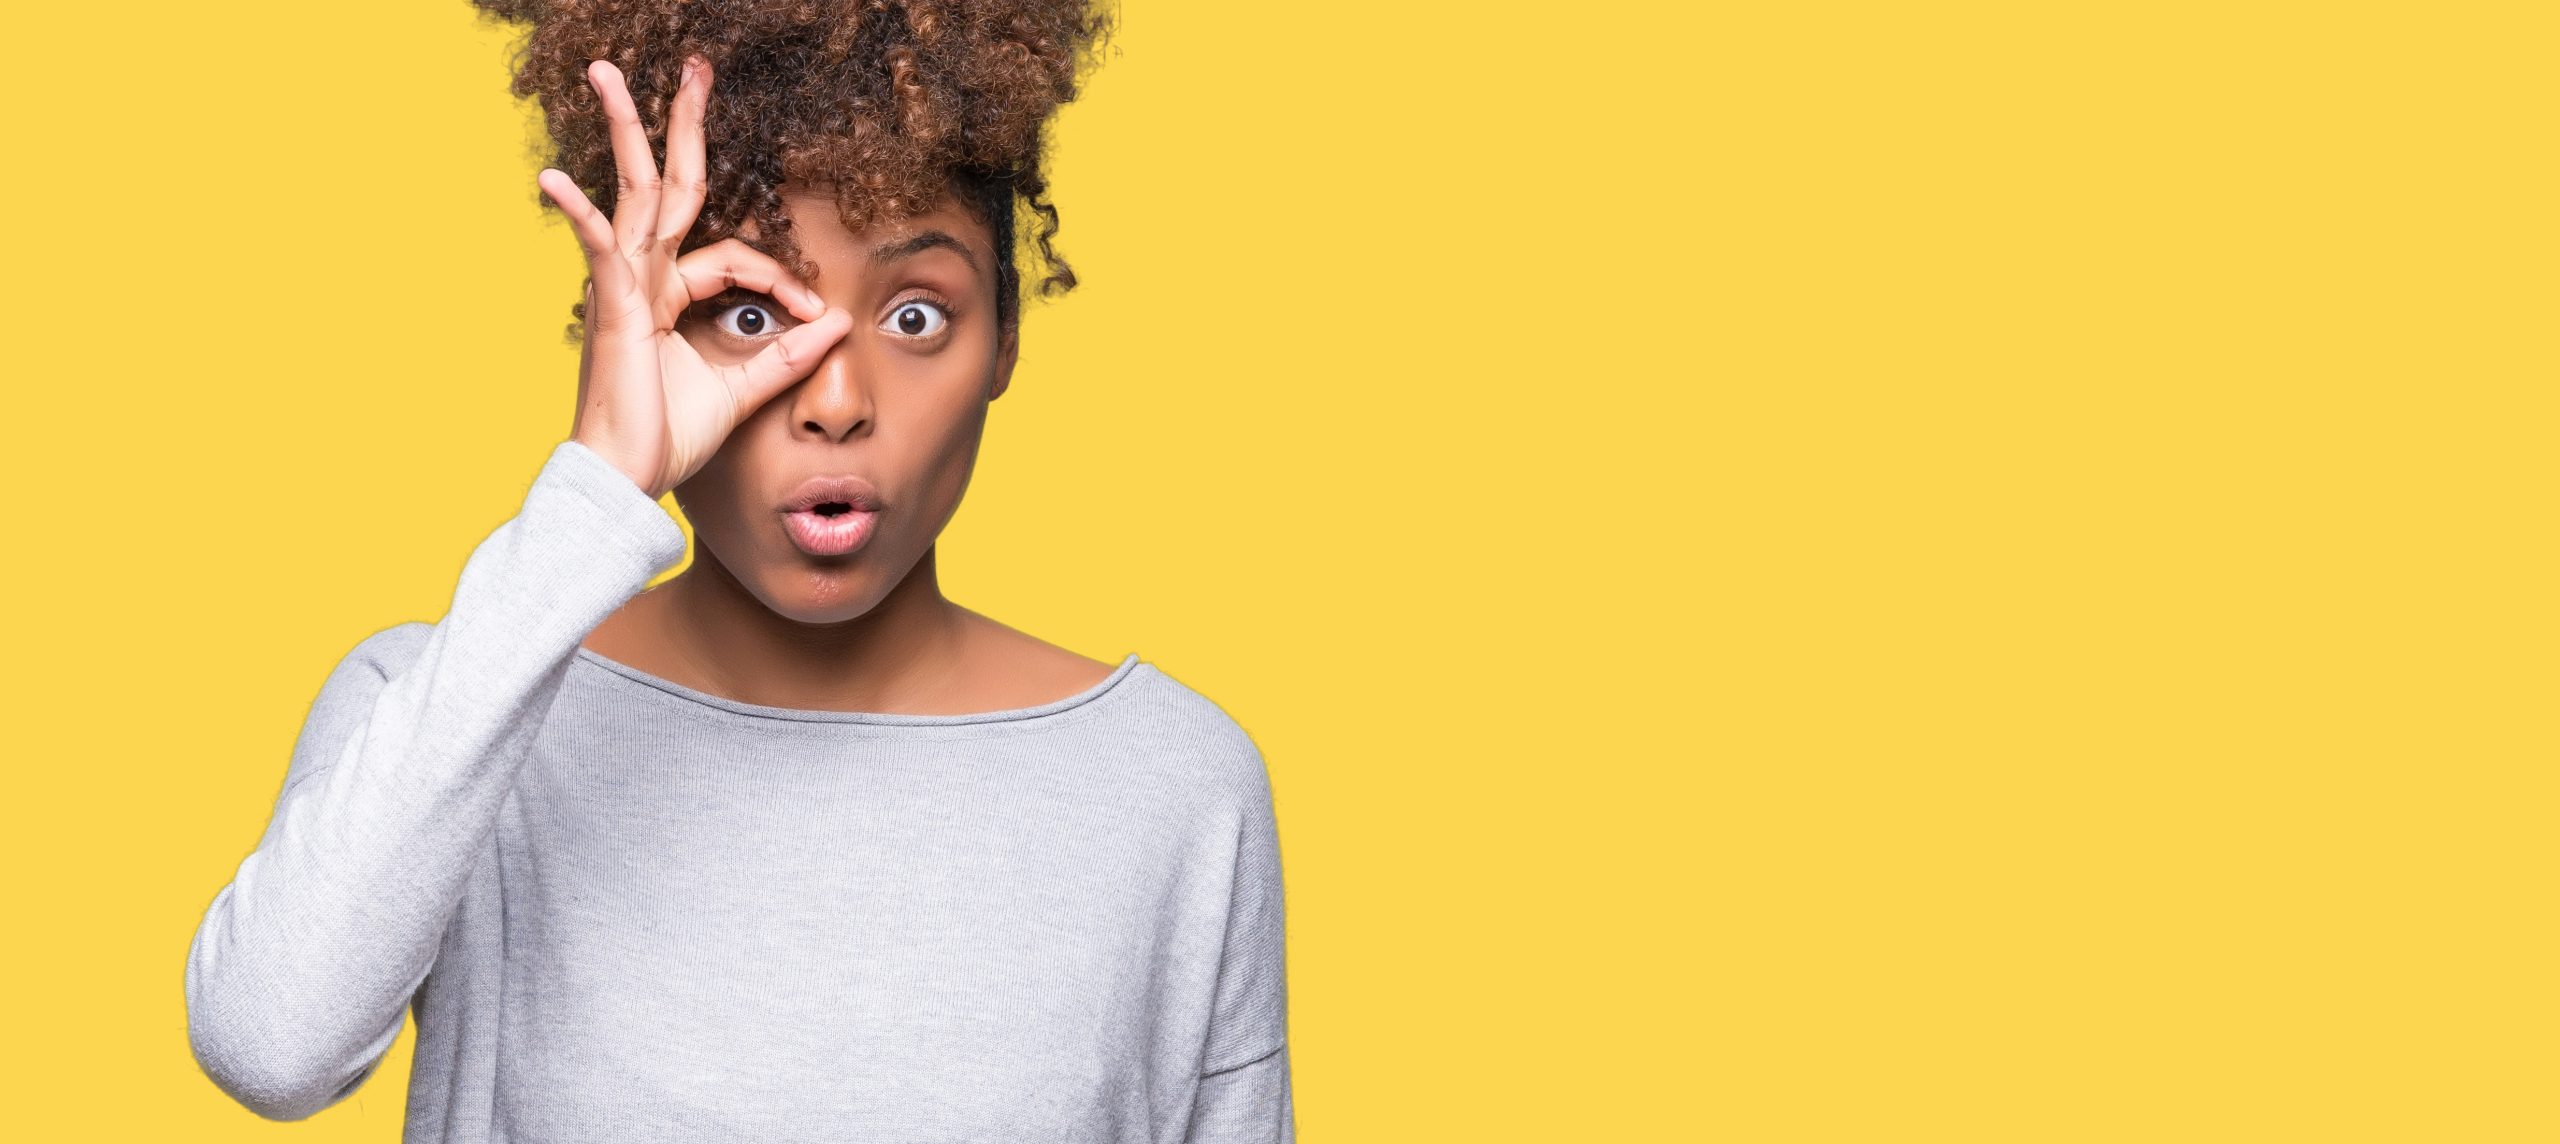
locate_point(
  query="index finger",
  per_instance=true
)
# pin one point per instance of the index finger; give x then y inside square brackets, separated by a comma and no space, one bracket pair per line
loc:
[787,359]
[731,262]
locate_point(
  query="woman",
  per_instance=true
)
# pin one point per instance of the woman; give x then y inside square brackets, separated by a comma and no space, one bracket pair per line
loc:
[789,847]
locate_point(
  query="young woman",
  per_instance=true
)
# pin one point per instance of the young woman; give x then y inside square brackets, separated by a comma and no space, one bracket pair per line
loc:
[790,847]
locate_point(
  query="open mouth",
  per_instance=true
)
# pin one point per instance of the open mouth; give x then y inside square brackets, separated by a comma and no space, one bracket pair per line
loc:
[830,528]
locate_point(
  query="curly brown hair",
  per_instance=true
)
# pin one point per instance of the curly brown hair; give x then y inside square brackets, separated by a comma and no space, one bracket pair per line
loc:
[892,101]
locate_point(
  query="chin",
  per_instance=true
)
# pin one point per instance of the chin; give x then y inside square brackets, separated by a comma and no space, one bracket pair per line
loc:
[820,617]
[820,590]
[789,582]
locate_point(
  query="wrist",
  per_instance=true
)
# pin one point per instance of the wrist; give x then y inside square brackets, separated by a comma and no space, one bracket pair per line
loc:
[632,472]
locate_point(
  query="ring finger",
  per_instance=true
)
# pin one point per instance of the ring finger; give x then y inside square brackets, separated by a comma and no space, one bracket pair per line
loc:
[682,189]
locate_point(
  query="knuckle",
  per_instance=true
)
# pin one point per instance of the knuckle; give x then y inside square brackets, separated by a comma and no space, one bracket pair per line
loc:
[728,253]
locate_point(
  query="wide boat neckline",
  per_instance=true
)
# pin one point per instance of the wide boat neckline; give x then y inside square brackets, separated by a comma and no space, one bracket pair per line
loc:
[731,707]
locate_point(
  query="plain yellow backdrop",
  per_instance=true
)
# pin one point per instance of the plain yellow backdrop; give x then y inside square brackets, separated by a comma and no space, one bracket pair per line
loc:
[1803,572]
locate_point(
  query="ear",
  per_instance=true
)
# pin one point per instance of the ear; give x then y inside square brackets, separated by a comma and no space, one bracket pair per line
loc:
[1005,355]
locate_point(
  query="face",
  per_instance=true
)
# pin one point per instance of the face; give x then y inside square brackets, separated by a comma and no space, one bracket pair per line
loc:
[901,402]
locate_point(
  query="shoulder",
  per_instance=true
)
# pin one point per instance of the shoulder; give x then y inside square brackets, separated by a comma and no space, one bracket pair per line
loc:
[384,653]
[1163,709]
[374,660]
[347,696]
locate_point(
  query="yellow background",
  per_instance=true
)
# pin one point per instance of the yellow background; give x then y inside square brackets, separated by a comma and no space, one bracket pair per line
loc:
[1803,571]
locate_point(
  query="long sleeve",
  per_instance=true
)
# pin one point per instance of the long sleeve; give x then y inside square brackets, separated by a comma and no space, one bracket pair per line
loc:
[1244,1094]
[299,977]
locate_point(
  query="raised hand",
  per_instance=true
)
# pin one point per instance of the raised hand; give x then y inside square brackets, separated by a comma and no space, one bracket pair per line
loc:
[646,400]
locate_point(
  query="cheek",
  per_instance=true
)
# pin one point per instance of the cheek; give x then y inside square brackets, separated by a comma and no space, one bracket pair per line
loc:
[956,455]
[720,495]
[960,422]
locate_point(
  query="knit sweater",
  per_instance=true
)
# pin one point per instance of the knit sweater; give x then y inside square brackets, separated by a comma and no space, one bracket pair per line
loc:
[622,909]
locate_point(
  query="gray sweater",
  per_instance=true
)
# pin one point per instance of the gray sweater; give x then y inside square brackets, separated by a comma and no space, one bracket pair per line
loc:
[625,910]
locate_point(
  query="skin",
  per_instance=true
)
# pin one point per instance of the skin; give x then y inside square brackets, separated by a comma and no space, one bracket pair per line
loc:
[756,619]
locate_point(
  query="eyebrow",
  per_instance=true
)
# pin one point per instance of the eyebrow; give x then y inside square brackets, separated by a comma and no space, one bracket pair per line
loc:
[889,252]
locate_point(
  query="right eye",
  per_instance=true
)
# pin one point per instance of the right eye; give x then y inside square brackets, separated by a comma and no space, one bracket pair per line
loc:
[746,320]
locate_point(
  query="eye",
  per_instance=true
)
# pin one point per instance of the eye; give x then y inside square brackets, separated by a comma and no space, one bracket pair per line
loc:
[753,320]
[917,318]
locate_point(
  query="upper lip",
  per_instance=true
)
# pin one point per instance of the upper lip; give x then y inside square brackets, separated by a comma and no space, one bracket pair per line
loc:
[842,488]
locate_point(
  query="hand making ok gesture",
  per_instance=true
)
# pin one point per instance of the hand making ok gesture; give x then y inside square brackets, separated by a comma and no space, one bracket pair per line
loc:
[646,401]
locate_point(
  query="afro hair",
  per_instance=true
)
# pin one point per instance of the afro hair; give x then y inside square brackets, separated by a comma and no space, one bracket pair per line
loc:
[893,102]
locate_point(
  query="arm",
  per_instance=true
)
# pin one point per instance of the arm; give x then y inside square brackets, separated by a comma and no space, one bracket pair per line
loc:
[300,976]
[1244,1095]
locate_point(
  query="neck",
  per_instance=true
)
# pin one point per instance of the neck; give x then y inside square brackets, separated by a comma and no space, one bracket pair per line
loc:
[895,657]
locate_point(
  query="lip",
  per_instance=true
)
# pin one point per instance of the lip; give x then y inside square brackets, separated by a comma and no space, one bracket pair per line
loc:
[824,534]
[842,488]
[821,535]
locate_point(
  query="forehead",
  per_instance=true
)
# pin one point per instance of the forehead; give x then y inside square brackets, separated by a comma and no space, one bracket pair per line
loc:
[823,237]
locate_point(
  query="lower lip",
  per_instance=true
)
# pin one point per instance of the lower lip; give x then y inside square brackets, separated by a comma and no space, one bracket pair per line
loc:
[820,535]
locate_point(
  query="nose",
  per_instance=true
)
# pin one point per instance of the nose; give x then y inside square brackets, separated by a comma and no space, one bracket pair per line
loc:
[834,401]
